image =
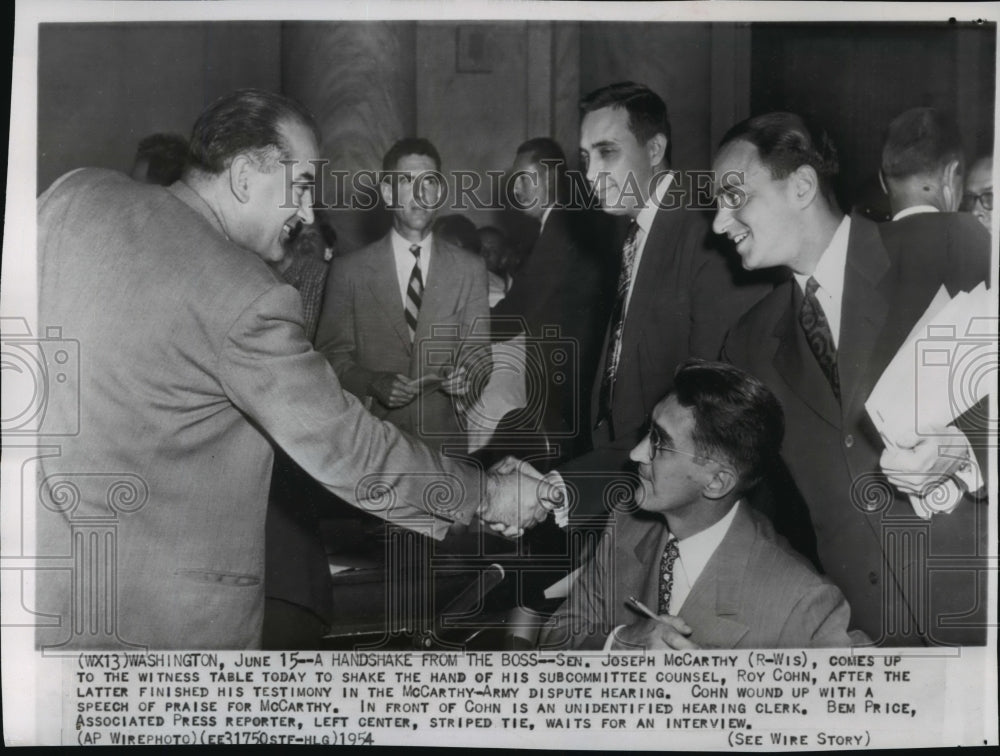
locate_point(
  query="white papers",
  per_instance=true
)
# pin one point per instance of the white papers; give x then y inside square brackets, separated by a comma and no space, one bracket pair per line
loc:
[505,391]
[945,366]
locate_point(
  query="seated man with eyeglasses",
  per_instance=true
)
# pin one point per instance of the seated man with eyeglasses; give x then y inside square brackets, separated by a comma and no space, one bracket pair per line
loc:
[694,566]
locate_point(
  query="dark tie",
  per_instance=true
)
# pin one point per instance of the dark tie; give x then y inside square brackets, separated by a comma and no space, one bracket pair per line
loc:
[819,335]
[618,323]
[670,554]
[414,293]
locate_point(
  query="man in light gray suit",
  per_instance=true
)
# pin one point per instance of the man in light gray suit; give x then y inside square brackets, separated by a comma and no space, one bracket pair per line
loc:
[707,571]
[193,361]
[400,309]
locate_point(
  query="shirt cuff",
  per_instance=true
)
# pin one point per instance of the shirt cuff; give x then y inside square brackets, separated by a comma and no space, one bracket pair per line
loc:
[609,644]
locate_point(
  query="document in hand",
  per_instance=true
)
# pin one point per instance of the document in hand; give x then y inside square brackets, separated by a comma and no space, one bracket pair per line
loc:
[946,365]
[505,391]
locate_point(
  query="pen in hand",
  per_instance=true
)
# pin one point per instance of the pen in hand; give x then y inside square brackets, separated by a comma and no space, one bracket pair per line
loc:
[644,609]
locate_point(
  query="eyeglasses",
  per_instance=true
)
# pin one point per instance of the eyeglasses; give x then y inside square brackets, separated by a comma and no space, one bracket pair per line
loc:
[656,443]
[969,200]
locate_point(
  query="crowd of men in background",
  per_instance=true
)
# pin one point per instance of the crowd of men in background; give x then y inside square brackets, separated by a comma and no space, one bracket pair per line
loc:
[721,365]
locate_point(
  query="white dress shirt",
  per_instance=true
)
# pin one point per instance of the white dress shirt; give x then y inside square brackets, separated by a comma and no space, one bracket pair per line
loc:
[404,260]
[915,210]
[829,274]
[693,554]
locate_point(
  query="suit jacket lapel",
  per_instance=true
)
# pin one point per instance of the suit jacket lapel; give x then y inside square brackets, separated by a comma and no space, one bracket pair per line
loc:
[650,279]
[384,285]
[864,308]
[439,290]
[795,362]
[712,609]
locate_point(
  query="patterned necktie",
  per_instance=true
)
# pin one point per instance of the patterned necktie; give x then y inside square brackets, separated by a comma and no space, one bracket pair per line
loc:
[414,293]
[819,335]
[618,321]
[670,554]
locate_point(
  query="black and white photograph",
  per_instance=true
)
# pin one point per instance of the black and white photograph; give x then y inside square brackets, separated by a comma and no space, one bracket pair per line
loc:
[535,375]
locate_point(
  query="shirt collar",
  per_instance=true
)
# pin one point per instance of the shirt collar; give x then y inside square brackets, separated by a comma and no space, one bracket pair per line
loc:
[829,273]
[645,217]
[696,550]
[915,210]
[402,246]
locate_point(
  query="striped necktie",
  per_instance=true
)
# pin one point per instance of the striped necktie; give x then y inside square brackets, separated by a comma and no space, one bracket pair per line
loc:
[414,293]
[618,322]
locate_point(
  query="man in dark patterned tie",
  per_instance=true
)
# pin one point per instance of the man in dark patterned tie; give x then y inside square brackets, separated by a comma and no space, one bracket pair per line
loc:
[821,341]
[383,301]
[677,294]
[695,566]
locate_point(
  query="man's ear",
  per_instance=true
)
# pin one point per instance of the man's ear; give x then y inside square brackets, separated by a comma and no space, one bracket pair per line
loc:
[951,182]
[240,169]
[881,182]
[804,185]
[656,148]
[722,483]
[385,187]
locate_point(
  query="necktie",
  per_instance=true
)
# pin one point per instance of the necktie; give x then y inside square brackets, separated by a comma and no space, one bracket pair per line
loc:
[414,293]
[819,335]
[670,554]
[618,322]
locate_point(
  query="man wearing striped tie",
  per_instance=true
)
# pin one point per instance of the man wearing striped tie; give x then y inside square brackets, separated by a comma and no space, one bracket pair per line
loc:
[397,312]
[694,566]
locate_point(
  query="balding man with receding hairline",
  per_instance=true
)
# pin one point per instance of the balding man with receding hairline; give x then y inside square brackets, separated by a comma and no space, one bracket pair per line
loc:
[193,362]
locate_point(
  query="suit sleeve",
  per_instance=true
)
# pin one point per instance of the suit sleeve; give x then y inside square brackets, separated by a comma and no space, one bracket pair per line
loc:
[474,352]
[270,372]
[819,620]
[585,618]
[335,335]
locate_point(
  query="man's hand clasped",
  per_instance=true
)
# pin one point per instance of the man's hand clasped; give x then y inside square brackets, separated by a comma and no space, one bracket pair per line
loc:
[518,497]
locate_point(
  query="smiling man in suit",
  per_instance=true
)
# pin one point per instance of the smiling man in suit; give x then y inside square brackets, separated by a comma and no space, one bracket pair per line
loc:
[383,300]
[710,567]
[821,341]
[677,294]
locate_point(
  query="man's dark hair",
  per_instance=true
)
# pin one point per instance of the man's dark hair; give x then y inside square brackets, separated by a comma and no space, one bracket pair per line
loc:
[549,156]
[647,112]
[165,156]
[785,142]
[247,121]
[735,417]
[458,230]
[410,146]
[920,141]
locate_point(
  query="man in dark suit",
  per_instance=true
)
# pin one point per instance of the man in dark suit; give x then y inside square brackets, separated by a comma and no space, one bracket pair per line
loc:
[710,569]
[151,516]
[821,341]
[677,294]
[559,296]
[410,287]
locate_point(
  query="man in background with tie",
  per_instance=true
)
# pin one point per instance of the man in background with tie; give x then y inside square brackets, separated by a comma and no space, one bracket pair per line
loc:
[383,300]
[820,342]
[676,293]
[705,569]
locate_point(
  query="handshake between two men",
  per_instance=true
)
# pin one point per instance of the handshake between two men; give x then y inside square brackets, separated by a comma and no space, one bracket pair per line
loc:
[518,497]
